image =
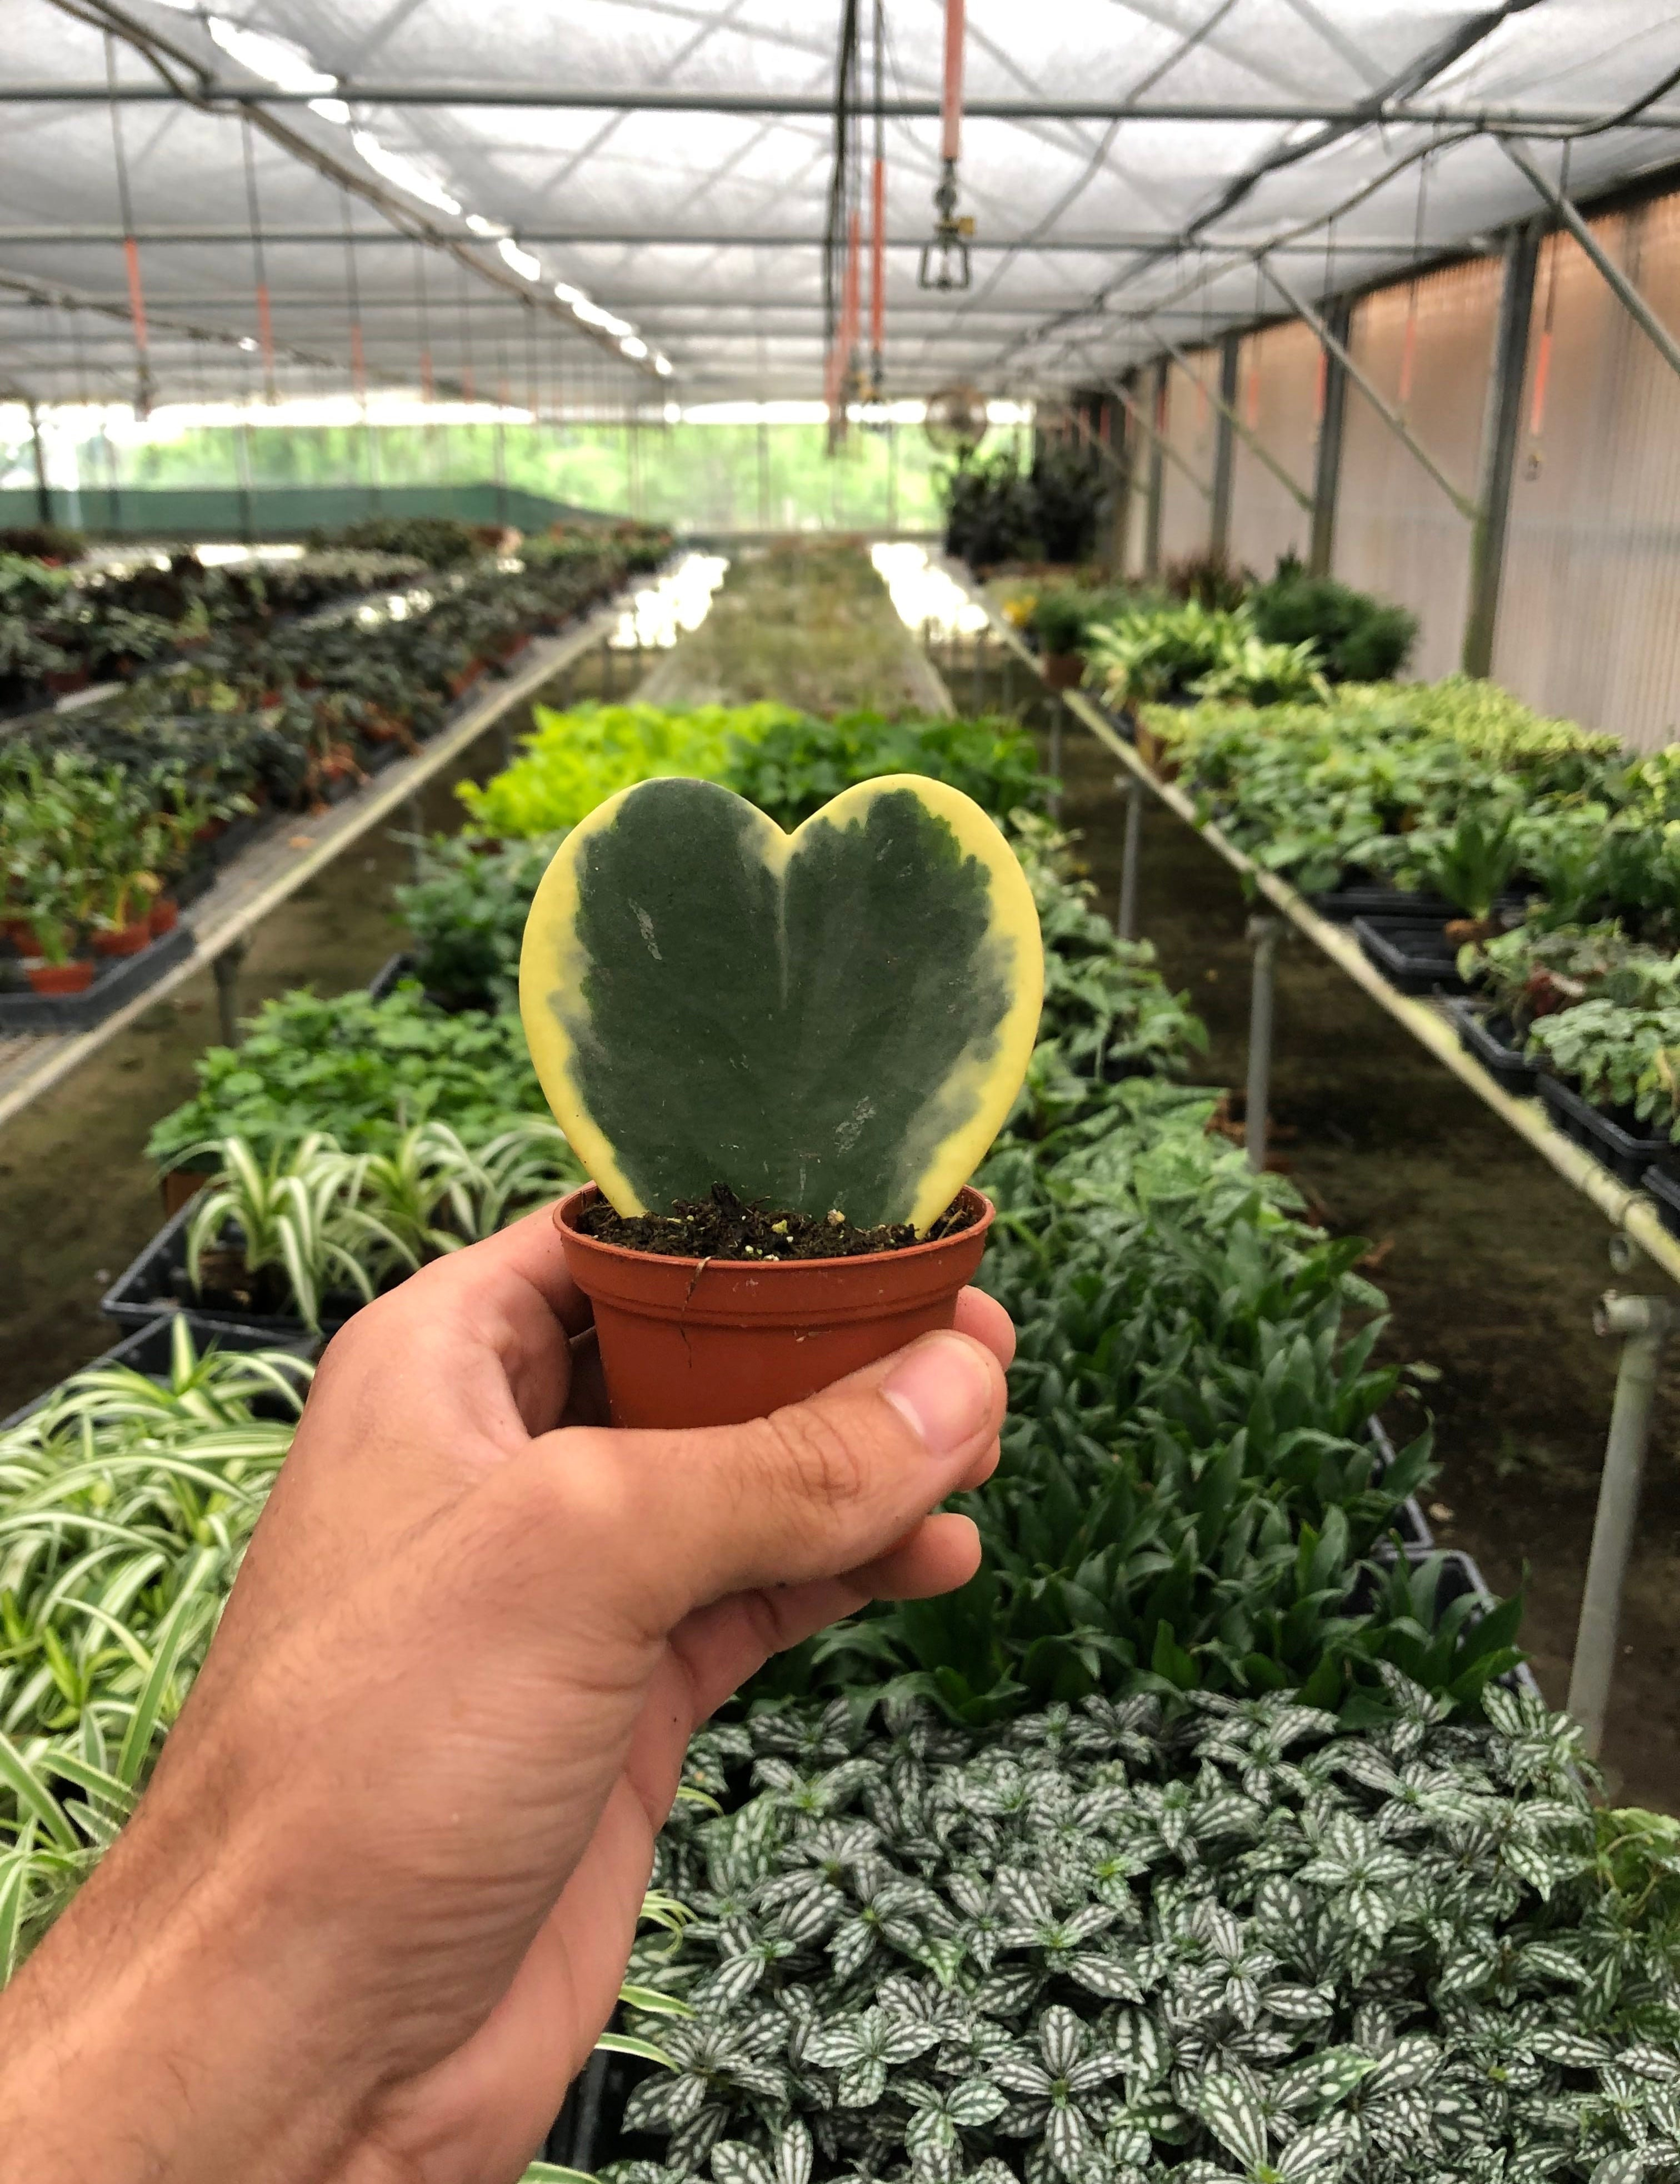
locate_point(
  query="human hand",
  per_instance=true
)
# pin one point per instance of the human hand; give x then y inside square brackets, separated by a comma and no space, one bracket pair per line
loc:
[374,1907]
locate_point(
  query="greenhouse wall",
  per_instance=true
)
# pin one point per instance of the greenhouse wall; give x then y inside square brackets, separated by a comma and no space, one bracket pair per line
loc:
[1277,399]
[1190,420]
[1589,619]
[1396,533]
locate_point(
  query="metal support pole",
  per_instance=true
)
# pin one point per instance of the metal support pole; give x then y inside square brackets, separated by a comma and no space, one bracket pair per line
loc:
[1151,513]
[225,970]
[1327,468]
[43,492]
[1225,447]
[1391,417]
[1644,1324]
[1629,296]
[1501,430]
[1265,933]
[1130,855]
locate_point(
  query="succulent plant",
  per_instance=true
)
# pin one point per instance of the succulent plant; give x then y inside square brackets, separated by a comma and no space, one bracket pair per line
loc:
[836,1018]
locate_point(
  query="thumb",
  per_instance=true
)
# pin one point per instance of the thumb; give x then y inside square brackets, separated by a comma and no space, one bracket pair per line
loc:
[816,1489]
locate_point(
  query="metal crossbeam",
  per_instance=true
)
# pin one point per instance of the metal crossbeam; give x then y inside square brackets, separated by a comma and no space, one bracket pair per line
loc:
[797,105]
[578,238]
[1391,417]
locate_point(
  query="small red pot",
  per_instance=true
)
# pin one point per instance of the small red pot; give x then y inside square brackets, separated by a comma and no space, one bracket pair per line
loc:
[711,1342]
[75,976]
[1062,670]
[127,940]
[165,916]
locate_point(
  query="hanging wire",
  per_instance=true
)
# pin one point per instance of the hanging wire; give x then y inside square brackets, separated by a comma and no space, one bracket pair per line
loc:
[1409,340]
[1542,361]
[136,294]
[264,321]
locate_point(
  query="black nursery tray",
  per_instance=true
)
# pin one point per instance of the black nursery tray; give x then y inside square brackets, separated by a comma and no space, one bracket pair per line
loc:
[148,1351]
[1410,1521]
[1618,1140]
[1417,959]
[157,1283]
[116,979]
[1483,1037]
[1371,898]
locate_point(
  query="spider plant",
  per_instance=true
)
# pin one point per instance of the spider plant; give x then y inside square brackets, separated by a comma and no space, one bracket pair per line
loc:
[294,1210]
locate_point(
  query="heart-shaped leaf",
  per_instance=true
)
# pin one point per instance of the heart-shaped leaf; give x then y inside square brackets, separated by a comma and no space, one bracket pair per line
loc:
[839,1017]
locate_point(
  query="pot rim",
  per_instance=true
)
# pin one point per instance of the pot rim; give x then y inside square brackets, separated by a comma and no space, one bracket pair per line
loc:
[985,1213]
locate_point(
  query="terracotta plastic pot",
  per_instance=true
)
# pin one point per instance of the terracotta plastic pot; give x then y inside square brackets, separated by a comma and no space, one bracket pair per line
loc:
[72,977]
[709,1342]
[127,939]
[1062,670]
[166,916]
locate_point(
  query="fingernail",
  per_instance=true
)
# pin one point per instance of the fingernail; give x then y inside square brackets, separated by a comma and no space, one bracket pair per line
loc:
[944,1390]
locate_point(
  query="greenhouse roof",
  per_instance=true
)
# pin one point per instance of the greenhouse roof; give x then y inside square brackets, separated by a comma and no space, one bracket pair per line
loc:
[634,201]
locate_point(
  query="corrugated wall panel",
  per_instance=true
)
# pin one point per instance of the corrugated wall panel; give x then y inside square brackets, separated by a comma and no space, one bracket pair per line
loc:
[1396,533]
[1589,618]
[1192,421]
[1277,393]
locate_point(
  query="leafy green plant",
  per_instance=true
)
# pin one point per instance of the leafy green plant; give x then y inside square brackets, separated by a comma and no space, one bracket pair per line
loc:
[1000,509]
[1358,639]
[359,1070]
[466,914]
[293,1212]
[796,766]
[1536,970]
[575,760]
[1627,1058]
[1218,1943]
[1472,862]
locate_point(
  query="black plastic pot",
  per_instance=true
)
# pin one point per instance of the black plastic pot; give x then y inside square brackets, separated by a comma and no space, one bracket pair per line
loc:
[157,1283]
[116,979]
[1416,958]
[148,1350]
[1488,1039]
[1618,1140]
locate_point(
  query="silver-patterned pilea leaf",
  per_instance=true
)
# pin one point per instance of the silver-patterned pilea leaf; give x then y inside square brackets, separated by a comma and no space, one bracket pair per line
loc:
[839,1018]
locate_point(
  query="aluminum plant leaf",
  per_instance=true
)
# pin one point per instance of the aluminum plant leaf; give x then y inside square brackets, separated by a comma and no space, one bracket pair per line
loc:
[839,1017]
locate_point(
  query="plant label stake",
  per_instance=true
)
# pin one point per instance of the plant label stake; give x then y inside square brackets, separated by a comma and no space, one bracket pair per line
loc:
[832,1023]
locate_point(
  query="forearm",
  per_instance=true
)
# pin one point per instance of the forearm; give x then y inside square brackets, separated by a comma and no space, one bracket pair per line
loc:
[175,2025]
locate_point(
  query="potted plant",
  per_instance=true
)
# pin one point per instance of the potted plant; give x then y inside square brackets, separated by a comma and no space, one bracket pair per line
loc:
[780,1057]
[56,913]
[1058,621]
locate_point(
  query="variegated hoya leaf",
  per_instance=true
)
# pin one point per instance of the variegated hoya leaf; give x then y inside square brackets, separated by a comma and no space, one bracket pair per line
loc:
[836,1018]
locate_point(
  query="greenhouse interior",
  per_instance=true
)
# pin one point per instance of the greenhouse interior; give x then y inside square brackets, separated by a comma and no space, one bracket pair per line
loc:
[659,1523]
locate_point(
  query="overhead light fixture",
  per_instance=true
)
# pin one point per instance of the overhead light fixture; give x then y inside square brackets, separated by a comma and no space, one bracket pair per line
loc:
[663,365]
[403,172]
[568,294]
[330,109]
[277,60]
[673,413]
[247,341]
[491,230]
[523,263]
[633,345]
